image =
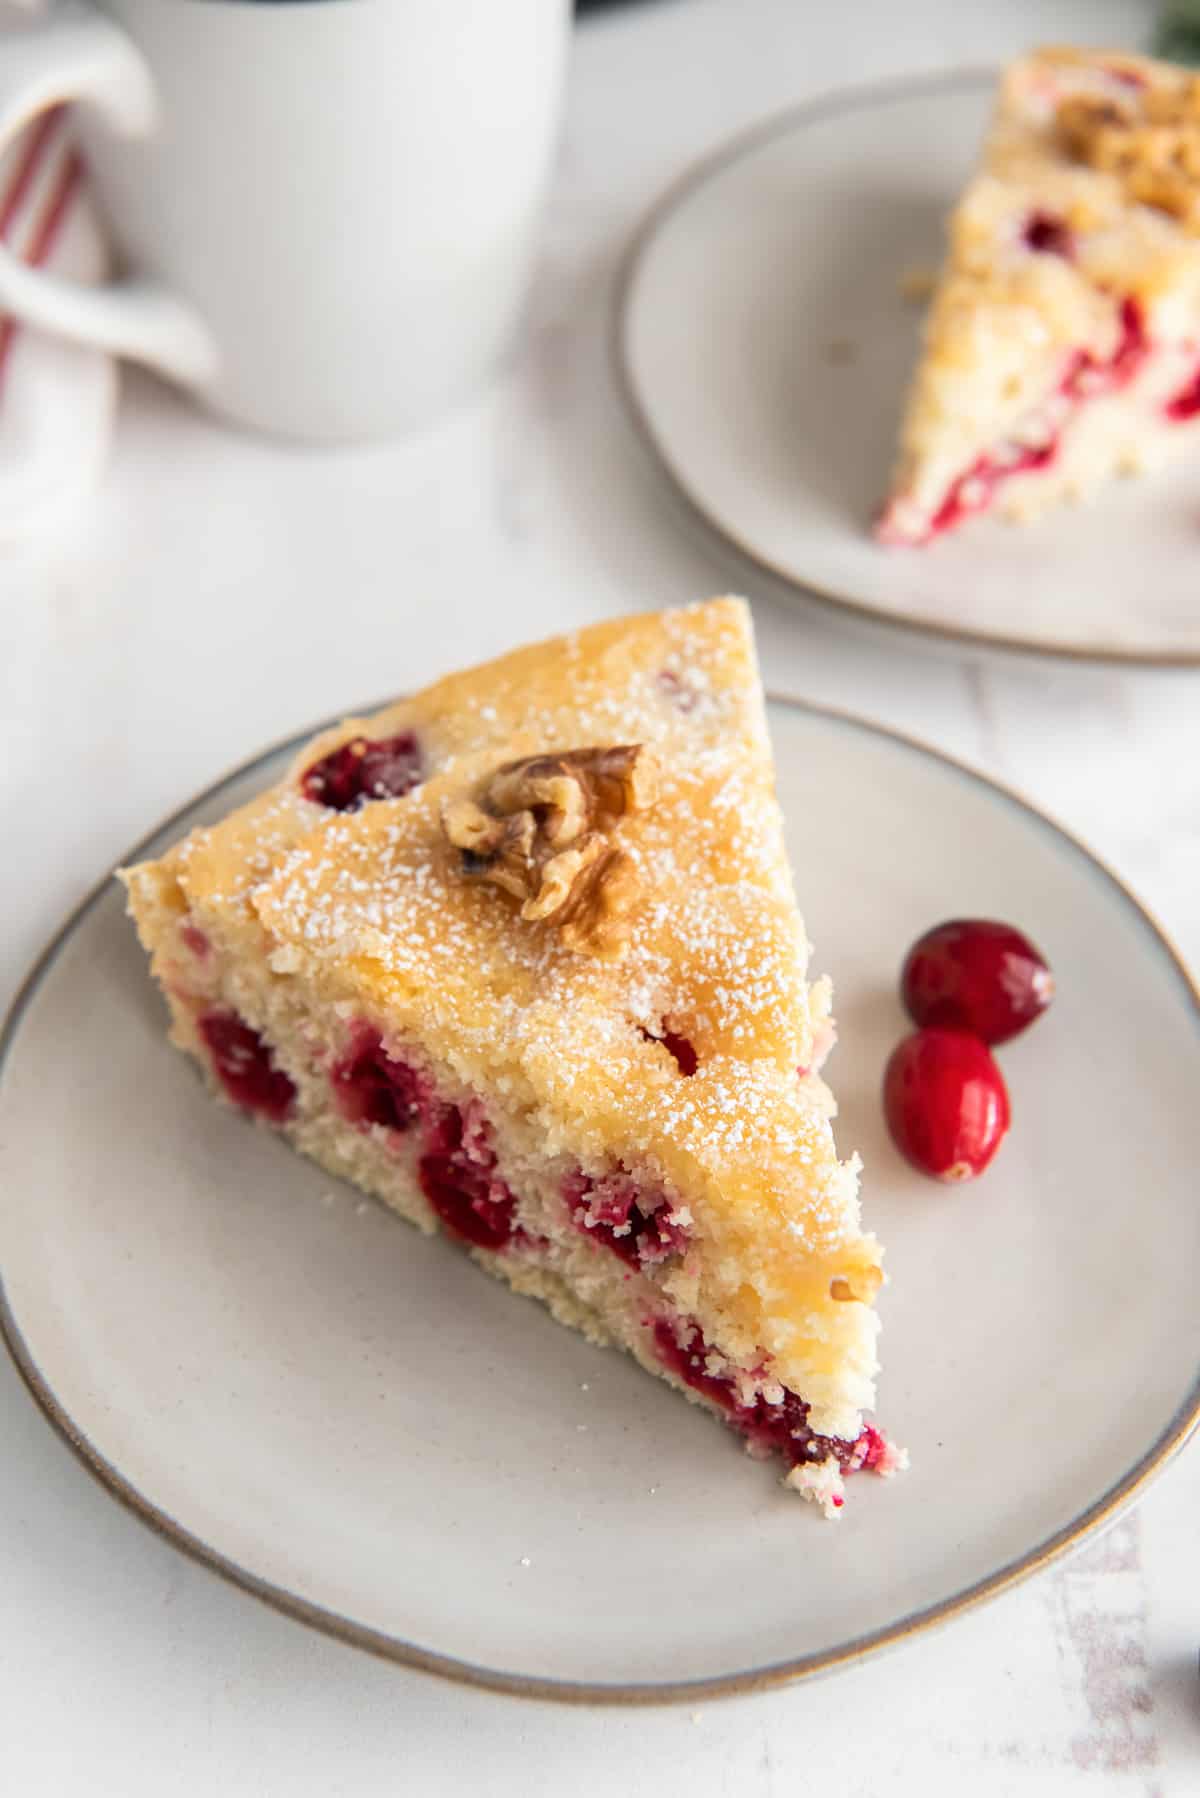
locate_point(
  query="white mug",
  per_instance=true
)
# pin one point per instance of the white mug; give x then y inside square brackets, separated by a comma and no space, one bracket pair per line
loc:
[325,210]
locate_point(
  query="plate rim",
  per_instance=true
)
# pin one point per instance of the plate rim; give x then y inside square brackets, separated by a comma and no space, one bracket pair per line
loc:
[1104,1510]
[696,172]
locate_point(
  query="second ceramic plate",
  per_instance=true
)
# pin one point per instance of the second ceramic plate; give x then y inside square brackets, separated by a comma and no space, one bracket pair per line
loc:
[764,347]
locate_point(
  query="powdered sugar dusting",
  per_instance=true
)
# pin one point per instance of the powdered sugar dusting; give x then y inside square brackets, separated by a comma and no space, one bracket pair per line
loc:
[370,911]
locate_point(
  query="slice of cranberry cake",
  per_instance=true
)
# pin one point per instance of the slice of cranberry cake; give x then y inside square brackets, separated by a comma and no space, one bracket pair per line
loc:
[1063,341]
[520,956]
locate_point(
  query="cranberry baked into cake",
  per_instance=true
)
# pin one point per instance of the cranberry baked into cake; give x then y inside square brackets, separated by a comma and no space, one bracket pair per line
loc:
[1063,341]
[520,956]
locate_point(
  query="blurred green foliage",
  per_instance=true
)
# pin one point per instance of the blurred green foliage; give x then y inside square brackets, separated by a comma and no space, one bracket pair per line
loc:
[1177,35]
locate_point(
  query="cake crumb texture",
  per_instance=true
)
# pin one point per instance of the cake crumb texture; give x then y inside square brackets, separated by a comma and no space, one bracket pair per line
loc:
[635,1140]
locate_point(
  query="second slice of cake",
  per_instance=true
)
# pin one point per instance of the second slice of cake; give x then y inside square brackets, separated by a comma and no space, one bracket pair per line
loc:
[1063,340]
[521,957]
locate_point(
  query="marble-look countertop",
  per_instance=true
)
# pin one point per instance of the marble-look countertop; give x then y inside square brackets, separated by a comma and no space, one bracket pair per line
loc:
[220,592]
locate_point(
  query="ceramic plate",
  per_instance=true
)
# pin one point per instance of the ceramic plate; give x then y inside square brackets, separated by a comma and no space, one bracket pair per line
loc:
[357,1424]
[764,346]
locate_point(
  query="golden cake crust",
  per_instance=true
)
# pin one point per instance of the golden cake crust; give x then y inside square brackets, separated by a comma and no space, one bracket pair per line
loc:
[373,911]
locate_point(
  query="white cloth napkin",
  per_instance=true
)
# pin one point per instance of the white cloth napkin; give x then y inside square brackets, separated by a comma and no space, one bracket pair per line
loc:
[56,399]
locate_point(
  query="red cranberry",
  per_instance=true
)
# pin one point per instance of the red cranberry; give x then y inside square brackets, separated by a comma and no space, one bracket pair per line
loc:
[872,1447]
[686,1058]
[636,1225]
[196,941]
[681,1348]
[977,975]
[946,1103]
[472,1201]
[371,1088]
[1134,347]
[1086,376]
[360,770]
[473,1204]
[779,1428]
[1049,235]
[1186,403]
[975,490]
[244,1066]
[458,1176]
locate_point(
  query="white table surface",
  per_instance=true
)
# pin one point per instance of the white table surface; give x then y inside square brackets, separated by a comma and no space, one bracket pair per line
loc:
[220,592]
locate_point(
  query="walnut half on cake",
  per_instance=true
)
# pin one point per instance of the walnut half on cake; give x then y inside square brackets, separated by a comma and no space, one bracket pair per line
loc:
[1063,341]
[520,956]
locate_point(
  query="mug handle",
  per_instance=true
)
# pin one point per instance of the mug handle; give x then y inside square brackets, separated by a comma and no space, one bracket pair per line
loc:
[76,54]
